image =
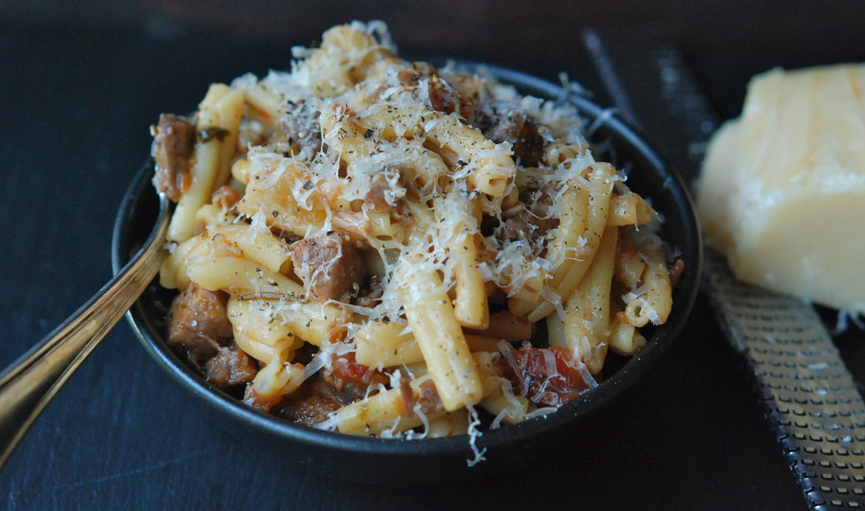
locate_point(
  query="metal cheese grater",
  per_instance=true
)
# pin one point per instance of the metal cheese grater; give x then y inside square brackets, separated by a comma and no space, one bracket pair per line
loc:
[809,395]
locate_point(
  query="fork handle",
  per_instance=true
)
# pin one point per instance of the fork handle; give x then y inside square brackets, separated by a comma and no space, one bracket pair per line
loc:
[27,386]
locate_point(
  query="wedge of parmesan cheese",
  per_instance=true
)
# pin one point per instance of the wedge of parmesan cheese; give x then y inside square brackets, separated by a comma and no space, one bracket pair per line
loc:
[783,187]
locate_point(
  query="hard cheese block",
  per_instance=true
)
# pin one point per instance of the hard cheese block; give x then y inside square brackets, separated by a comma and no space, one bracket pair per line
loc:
[783,187]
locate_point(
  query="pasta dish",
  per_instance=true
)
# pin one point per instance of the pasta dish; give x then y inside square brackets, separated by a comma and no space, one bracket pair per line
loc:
[379,247]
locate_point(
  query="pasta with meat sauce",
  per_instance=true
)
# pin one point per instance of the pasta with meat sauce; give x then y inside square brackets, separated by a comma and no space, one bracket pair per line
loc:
[380,247]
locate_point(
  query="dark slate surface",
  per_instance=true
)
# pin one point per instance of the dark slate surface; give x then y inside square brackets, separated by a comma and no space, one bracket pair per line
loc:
[75,109]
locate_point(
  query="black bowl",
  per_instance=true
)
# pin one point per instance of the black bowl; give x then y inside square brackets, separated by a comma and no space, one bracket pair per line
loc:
[414,461]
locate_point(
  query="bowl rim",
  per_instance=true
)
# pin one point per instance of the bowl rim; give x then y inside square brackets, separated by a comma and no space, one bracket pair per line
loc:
[633,370]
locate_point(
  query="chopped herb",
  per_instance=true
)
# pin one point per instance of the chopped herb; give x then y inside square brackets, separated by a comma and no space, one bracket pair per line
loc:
[214,132]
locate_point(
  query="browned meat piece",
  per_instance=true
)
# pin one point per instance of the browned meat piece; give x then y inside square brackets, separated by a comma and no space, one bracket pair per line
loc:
[443,97]
[331,267]
[198,324]
[428,397]
[247,136]
[386,195]
[173,144]
[310,404]
[386,190]
[345,382]
[526,225]
[230,367]
[522,133]
[528,222]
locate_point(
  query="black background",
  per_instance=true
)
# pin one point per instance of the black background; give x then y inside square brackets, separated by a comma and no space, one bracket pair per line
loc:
[79,87]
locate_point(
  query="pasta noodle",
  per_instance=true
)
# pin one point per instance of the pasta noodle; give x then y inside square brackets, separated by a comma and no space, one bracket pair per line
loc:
[380,247]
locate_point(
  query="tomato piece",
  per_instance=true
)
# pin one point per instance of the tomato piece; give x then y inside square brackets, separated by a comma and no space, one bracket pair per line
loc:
[529,371]
[345,369]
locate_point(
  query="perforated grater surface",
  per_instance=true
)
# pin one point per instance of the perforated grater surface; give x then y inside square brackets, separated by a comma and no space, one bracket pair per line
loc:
[810,397]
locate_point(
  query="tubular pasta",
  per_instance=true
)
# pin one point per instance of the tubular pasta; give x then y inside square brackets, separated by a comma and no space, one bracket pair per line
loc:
[388,344]
[260,246]
[449,424]
[504,325]
[210,216]
[625,339]
[587,312]
[656,305]
[263,105]
[629,209]
[376,414]
[490,165]
[220,110]
[470,305]
[565,282]
[430,315]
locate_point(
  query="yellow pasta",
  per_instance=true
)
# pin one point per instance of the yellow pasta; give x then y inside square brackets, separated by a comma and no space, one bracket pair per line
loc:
[230,111]
[260,246]
[470,305]
[204,173]
[656,305]
[283,195]
[271,343]
[504,325]
[172,274]
[430,315]
[345,134]
[240,276]
[386,344]
[263,105]
[587,312]
[491,167]
[629,267]
[564,283]
[391,344]
[625,339]
[449,424]
[382,412]
[510,408]
[629,209]
[210,216]
[218,119]
[387,411]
